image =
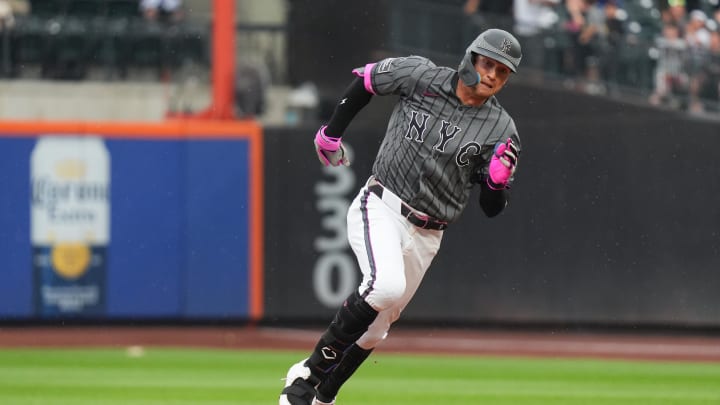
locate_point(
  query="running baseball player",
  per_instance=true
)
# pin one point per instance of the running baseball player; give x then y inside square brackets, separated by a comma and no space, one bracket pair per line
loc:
[446,134]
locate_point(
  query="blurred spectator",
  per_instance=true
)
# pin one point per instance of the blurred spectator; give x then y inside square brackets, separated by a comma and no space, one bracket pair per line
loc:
[697,38]
[674,12]
[707,78]
[600,39]
[7,19]
[162,10]
[611,37]
[496,7]
[8,10]
[715,62]
[696,34]
[584,27]
[497,13]
[615,19]
[671,79]
[19,7]
[532,18]
[576,11]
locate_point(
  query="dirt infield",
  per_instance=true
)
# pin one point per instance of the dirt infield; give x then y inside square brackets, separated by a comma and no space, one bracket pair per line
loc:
[448,341]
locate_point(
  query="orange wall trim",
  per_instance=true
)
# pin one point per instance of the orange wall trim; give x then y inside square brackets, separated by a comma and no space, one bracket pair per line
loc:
[174,130]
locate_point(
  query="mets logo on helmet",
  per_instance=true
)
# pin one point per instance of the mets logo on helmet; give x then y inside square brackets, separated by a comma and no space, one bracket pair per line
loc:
[506,45]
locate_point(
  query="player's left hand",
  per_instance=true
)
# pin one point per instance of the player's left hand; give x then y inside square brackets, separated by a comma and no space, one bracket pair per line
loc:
[330,151]
[502,165]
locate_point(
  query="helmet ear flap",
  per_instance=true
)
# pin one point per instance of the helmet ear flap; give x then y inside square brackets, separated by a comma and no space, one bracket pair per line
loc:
[469,76]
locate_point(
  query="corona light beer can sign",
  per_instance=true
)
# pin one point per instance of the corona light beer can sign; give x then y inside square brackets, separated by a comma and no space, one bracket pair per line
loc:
[70,225]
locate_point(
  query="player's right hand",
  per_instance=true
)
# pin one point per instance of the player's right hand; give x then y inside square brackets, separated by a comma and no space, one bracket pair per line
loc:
[502,165]
[330,150]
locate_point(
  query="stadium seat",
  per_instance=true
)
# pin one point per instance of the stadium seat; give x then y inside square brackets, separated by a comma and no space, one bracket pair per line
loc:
[47,8]
[5,57]
[145,46]
[85,8]
[29,45]
[69,50]
[187,43]
[107,49]
[122,9]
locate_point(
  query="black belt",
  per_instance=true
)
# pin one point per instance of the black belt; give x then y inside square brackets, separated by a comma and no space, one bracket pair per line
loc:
[424,222]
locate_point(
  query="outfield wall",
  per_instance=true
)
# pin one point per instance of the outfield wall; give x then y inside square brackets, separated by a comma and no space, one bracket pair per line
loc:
[614,220]
[130,221]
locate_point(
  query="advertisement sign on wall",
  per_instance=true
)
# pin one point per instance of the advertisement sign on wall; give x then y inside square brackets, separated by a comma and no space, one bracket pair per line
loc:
[335,272]
[70,224]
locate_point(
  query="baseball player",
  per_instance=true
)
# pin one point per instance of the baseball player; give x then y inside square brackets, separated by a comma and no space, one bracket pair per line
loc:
[446,134]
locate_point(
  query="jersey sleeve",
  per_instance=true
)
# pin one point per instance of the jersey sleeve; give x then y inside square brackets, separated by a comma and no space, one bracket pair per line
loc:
[396,76]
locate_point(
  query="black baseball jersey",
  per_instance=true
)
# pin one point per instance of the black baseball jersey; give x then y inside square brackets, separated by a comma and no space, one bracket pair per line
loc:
[434,144]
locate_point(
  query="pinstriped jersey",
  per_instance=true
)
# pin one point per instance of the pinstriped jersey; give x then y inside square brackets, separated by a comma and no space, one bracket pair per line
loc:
[434,144]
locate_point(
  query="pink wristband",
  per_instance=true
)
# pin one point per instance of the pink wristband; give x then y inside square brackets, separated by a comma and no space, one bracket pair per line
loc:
[325,142]
[494,186]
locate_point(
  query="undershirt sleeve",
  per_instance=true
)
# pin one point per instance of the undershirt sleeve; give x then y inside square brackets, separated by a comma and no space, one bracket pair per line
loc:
[492,202]
[354,99]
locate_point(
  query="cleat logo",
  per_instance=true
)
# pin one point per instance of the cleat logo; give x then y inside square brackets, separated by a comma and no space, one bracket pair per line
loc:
[328,353]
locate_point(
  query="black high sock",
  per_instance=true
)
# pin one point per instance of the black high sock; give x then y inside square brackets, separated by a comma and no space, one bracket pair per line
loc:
[351,361]
[351,321]
[327,354]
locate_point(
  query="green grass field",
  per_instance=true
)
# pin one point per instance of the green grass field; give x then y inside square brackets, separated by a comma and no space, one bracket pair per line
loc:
[219,377]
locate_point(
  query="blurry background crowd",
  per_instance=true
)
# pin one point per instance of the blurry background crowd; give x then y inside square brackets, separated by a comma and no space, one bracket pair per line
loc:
[665,51]
[662,52]
[669,47]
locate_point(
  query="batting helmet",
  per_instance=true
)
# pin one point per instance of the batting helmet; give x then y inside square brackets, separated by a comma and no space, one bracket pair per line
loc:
[493,43]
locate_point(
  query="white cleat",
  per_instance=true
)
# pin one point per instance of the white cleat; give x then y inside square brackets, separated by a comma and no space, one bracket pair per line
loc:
[299,386]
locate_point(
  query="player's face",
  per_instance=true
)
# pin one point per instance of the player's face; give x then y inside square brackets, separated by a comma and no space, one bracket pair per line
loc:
[493,76]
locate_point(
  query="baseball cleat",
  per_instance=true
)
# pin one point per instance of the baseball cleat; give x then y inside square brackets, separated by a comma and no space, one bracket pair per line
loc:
[299,386]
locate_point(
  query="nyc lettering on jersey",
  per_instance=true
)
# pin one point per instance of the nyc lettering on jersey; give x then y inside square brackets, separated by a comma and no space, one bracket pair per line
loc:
[416,132]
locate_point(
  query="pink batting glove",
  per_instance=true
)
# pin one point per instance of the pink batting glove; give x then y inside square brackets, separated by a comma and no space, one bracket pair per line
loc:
[502,165]
[330,150]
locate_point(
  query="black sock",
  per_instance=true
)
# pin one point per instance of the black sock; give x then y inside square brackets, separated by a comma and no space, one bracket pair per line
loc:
[327,354]
[351,321]
[351,361]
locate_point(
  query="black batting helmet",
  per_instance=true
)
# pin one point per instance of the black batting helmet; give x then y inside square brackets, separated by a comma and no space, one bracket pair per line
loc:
[493,43]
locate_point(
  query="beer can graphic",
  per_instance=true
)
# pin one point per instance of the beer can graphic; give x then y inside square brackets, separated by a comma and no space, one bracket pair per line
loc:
[70,225]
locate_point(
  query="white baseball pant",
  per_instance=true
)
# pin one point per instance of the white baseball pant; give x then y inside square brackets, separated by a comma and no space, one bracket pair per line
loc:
[393,256]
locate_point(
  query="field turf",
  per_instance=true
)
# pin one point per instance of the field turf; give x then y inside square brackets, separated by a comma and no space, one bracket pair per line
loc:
[155,376]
